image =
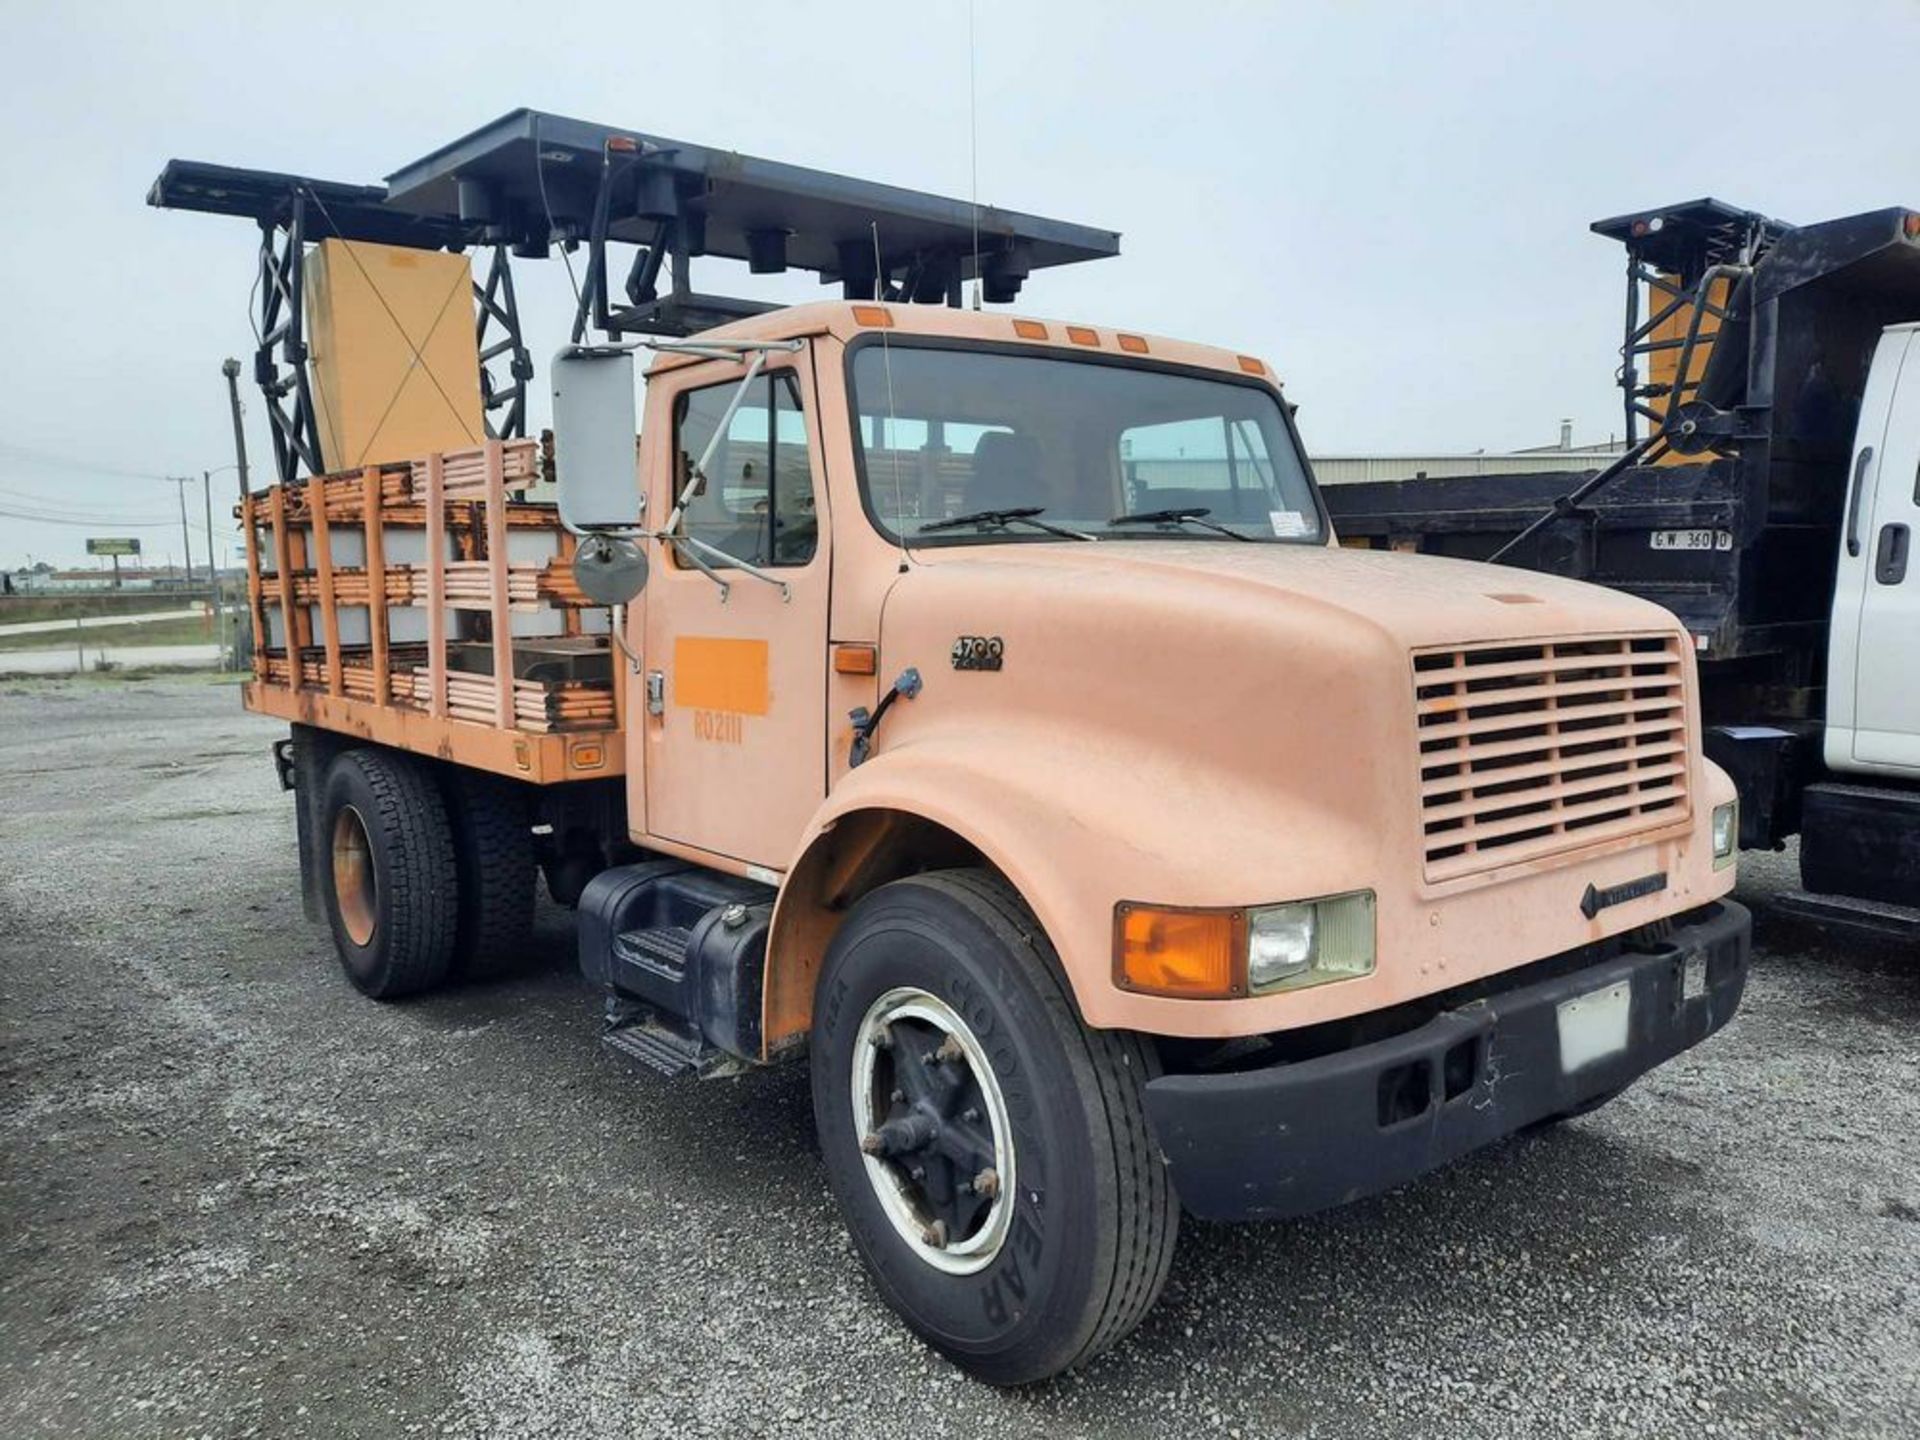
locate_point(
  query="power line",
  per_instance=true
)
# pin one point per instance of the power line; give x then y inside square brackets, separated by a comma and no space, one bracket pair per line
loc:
[60,504]
[88,524]
[57,461]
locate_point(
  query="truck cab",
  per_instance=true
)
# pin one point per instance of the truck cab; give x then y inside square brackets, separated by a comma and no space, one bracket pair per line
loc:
[1873,664]
[1347,862]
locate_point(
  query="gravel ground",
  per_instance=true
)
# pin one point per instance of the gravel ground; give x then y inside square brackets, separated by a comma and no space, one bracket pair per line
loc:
[237,1199]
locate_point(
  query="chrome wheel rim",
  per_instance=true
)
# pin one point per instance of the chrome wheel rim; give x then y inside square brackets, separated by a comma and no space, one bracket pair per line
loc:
[933,1131]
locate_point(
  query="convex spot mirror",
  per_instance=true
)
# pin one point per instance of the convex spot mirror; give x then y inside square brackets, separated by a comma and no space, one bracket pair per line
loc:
[593,439]
[609,569]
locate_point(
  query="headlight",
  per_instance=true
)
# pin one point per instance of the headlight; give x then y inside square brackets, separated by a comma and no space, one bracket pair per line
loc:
[1310,942]
[1280,943]
[1726,833]
[1224,954]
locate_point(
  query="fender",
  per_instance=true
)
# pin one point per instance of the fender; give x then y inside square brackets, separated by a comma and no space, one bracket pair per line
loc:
[1075,828]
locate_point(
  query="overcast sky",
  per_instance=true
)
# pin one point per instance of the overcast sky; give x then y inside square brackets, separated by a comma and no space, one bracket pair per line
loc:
[1388,201]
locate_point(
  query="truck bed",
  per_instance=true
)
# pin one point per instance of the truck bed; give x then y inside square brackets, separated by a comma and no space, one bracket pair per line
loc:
[1758,591]
[420,605]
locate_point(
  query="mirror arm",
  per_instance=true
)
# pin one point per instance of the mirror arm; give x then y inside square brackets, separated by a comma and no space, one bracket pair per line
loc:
[734,561]
[679,541]
[619,633]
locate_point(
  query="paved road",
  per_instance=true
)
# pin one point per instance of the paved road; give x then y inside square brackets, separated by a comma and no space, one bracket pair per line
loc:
[90,622]
[66,660]
[236,1199]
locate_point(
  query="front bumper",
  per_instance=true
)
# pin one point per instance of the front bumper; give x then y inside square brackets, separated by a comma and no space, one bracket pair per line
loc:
[1292,1138]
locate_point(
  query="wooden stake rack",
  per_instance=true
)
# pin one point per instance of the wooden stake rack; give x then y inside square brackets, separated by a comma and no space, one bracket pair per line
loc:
[545,708]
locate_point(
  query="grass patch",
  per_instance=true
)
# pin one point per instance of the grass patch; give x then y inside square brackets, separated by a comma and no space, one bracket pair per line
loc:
[132,674]
[19,609]
[185,630]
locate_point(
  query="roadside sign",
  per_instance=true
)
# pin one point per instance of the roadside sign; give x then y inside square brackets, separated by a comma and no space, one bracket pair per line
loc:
[112,546]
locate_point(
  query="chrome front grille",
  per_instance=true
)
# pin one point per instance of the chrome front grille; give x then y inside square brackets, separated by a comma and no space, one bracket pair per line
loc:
[1532,749]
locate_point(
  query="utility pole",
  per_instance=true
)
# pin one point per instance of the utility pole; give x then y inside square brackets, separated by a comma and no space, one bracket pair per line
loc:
[185,539]
[231,369]
[217,607]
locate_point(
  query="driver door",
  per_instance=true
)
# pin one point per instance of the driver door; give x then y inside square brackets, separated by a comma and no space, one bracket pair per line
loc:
[735,715]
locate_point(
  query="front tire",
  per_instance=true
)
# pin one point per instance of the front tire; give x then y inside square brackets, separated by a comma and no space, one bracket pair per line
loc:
[389,873]
[946,1040]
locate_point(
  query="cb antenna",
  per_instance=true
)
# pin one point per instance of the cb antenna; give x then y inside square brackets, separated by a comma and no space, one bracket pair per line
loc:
[973,154]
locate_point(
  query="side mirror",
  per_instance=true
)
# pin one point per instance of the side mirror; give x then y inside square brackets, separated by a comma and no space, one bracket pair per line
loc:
[609,569]
[593,433]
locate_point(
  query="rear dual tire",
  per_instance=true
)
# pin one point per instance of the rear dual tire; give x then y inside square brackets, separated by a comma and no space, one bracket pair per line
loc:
[494,870]
[950,974]
[422,882]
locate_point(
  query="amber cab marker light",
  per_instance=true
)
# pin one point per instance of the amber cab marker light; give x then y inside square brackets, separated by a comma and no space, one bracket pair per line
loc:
[1081,335]
[1029,329]
[873,315]
[1252,366]
[1132,344]
[855,660]
[1910,226]
[1187,954]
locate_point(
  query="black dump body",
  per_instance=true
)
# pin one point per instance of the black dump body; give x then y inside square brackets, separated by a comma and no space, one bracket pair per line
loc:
[1784,384]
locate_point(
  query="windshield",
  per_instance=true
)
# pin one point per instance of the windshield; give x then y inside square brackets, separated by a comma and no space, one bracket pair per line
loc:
[950,434]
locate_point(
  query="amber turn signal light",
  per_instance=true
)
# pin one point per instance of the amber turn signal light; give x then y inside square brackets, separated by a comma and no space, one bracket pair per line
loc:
[855,659]
[1188,954]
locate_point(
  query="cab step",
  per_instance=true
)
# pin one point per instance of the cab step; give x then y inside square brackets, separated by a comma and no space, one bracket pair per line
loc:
[663,1051]
[1878,918]
[680,954]
[663,949]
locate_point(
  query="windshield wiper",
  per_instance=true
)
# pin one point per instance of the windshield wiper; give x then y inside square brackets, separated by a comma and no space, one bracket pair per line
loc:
[1025,514]
[1188,515]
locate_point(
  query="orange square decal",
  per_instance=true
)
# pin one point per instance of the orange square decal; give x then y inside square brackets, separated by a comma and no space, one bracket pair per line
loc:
[710,673]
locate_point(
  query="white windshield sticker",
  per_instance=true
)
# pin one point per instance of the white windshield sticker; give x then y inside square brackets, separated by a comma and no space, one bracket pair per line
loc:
[1288,524]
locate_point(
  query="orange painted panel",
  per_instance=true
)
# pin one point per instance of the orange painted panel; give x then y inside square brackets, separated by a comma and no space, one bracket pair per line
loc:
[710,673]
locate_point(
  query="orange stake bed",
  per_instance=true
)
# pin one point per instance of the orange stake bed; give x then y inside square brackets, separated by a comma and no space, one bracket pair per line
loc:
[420,605]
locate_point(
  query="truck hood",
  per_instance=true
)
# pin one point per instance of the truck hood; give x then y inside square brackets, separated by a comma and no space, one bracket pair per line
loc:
[1223,724]
[1415,600]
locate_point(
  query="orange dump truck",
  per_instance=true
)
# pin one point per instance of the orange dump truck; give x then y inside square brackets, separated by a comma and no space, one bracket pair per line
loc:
[980,711]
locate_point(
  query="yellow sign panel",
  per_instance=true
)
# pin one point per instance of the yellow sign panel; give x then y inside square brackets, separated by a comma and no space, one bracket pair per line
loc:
[396,365]
[710,673]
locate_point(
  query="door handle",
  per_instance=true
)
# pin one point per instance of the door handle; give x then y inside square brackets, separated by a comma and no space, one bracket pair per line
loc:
[1853,500]
[1890,555]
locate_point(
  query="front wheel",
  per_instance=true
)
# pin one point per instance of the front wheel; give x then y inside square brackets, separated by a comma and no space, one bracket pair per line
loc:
[989,1151]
